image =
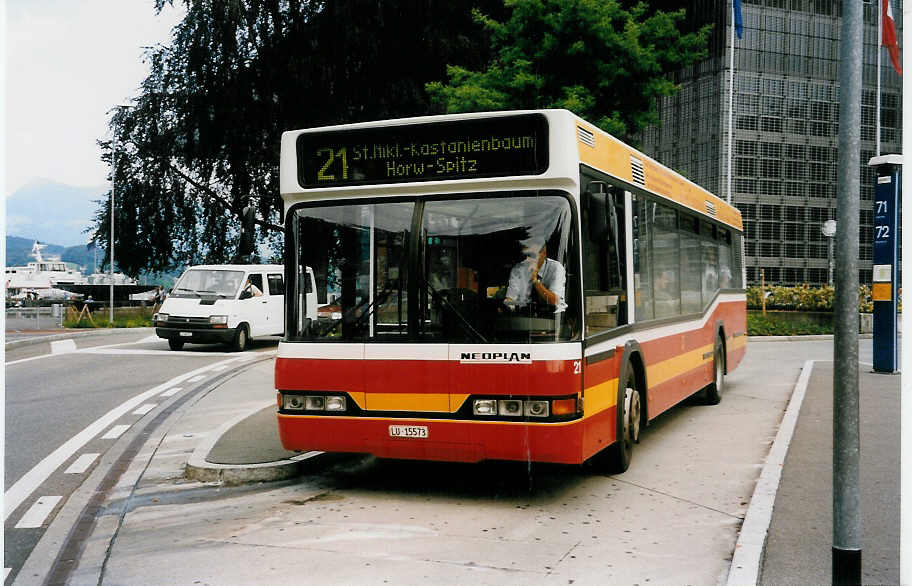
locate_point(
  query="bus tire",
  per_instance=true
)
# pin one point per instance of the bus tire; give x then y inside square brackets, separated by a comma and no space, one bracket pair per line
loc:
[240,339]
[621,453]
[713,393]
[175,344]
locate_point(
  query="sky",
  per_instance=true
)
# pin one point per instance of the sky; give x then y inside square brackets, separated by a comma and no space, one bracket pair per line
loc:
[68,62]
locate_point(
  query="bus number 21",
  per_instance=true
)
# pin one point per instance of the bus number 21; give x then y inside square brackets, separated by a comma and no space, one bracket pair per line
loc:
[330,158]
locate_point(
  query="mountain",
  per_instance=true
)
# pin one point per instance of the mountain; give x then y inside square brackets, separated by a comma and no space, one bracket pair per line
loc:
[52,212]
[19,252]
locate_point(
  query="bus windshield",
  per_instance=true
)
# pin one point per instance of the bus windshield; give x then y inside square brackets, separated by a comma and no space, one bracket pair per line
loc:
[482,268]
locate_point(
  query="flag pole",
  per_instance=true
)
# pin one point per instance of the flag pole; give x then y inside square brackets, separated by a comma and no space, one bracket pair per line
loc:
[731,101]
[879,51]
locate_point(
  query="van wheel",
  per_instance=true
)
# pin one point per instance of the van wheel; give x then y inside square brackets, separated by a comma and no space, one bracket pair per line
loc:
[713,392]
[175,344]
[240,339]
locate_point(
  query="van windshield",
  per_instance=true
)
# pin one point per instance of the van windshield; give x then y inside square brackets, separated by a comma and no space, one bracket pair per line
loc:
[208,282]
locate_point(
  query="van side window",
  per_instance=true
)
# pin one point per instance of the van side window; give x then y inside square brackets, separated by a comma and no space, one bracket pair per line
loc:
[276,284]
[257,280]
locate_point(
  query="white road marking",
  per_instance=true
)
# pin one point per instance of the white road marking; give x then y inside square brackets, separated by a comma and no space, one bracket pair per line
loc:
[124,352]
[81,464]
[143,409]
[116,431]
[6,572]
[171,392]
[32,479]
[196,379]
[38,512]
[112,349]
[63,346]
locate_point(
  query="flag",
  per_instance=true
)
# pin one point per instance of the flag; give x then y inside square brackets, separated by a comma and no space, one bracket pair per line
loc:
[739,22]
[888,37]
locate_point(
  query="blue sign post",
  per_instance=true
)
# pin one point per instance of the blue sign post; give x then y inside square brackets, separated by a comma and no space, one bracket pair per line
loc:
[885,282]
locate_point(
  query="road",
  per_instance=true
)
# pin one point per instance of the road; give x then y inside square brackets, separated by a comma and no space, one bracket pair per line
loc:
[67,402]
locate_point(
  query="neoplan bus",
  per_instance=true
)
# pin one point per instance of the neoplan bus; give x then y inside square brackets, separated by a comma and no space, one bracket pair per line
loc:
[436,337]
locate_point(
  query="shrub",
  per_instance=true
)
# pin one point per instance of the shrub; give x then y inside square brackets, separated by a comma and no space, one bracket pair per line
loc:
[757,325]
[805,298]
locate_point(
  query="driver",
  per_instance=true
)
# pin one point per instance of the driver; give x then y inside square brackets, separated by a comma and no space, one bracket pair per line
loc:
[537,278]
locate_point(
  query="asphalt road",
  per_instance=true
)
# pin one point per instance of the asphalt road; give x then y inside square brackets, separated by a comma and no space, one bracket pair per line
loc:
[56,391]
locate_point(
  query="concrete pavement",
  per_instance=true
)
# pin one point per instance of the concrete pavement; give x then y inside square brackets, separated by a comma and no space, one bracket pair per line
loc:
[227,436]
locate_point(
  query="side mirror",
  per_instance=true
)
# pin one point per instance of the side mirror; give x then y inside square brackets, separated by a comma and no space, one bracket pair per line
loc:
[597,207]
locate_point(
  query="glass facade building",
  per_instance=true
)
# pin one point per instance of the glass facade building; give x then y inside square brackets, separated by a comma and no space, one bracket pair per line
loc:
[786,113]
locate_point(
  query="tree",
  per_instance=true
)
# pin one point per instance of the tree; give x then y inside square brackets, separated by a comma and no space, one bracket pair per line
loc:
[605,62]
[200,143]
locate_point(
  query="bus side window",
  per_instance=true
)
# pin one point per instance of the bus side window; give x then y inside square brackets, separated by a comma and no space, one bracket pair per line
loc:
[603,257]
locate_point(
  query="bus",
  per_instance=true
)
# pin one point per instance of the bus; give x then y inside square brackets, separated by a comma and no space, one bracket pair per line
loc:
[497,286]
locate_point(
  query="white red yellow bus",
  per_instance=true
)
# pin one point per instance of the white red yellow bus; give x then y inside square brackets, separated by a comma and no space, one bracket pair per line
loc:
[442,332]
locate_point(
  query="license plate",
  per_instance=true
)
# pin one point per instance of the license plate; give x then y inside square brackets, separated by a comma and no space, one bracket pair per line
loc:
[409,431]
[188,334]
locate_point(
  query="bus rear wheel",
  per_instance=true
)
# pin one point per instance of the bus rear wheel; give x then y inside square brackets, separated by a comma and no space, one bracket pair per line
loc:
[629,431]
[713,393]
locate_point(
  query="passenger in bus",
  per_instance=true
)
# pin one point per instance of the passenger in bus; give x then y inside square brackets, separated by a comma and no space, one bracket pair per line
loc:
[537,279]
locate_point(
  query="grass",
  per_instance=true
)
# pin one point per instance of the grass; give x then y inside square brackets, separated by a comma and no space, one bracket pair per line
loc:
[757,325]
[126,318]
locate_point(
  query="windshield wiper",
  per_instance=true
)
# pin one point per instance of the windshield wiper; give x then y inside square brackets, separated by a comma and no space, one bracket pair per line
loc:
[187,290]
[461,318]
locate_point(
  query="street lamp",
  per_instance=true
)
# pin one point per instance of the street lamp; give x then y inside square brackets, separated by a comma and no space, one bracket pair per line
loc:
[120,108]
[829,230]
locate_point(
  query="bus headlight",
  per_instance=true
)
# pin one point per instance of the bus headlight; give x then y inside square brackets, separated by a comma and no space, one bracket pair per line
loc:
[535,408]
[484,407]
[335,403]
[510,407]
[293,402]
[314,403]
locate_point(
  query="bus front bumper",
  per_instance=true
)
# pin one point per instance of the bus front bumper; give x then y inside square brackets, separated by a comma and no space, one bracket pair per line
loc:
[443,440]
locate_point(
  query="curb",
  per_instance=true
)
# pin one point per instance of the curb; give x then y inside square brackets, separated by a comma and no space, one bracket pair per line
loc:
[198,468]
[68,335]
[748,555]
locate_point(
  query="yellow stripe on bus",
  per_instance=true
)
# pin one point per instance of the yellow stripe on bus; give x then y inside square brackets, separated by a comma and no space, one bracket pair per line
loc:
[437,402]
[660,372]
[600,397]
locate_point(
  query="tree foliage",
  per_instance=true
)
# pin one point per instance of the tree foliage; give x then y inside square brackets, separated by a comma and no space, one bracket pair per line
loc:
[200,142]
[604,61]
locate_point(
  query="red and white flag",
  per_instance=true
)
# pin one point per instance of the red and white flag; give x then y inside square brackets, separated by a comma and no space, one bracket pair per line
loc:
[888,38]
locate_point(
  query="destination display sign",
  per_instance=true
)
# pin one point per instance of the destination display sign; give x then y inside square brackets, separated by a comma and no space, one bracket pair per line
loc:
[462,149]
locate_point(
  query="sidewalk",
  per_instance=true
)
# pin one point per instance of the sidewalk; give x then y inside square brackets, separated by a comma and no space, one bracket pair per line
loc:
[801,532]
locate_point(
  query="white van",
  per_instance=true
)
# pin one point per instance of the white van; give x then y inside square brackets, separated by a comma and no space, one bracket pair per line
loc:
[225,303]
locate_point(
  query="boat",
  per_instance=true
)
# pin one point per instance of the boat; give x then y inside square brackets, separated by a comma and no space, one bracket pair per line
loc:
[51,278]
[41,278]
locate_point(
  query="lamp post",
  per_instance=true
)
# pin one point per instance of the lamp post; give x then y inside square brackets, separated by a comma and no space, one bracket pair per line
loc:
[120,108]
[829,230]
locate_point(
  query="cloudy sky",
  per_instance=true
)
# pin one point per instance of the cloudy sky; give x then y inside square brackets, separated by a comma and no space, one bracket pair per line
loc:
[68,62]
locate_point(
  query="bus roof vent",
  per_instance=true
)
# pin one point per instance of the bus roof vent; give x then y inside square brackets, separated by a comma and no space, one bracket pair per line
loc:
[710,208]
[636,166]
[585,136]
